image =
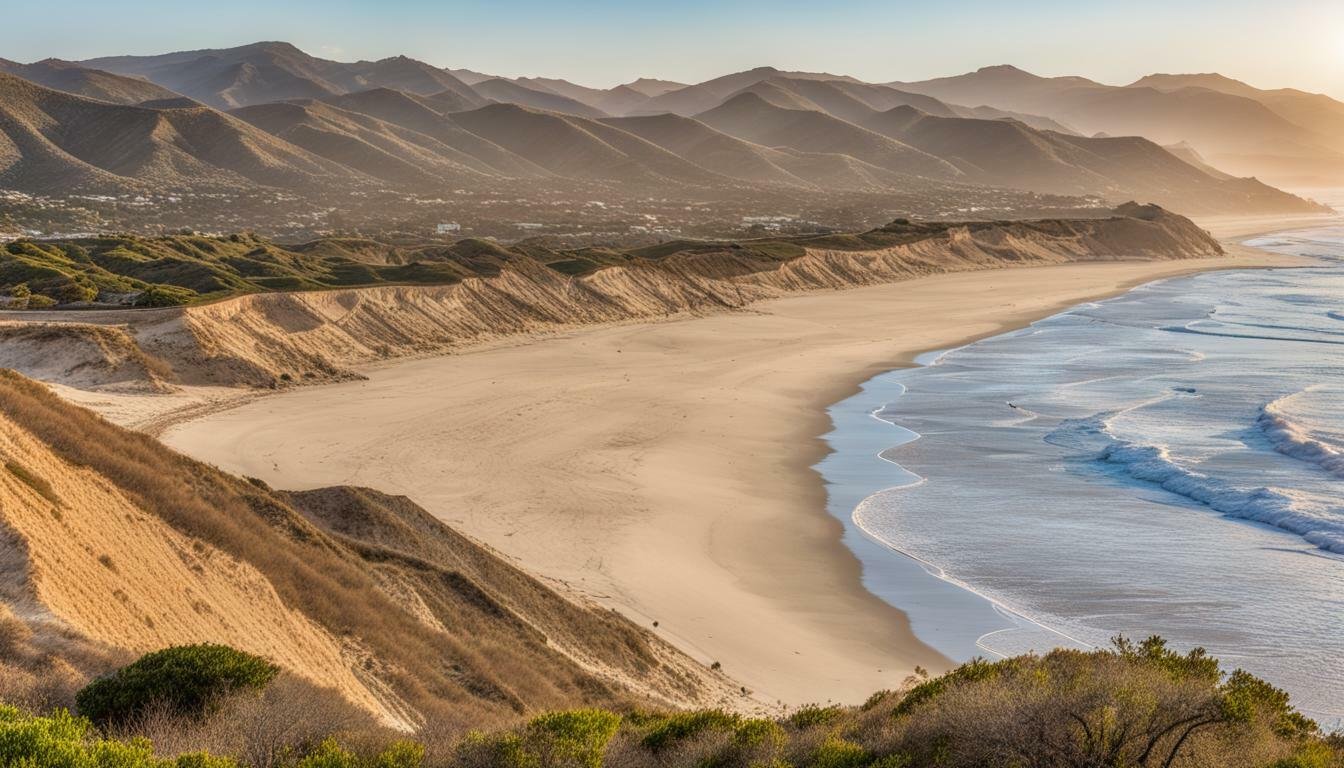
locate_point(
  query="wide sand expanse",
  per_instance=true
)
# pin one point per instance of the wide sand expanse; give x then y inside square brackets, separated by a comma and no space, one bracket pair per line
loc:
[664,469]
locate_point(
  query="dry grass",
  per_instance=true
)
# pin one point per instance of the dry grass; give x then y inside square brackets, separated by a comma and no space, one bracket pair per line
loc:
[43,665]
[31,480]
[487,658]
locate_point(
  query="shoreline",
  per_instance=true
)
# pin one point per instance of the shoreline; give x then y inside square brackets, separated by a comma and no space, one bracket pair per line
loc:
[1011,584]
[1234,233]
[648,513]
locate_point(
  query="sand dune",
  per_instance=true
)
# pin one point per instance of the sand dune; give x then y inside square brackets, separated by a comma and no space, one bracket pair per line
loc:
[113,537]
[268,339]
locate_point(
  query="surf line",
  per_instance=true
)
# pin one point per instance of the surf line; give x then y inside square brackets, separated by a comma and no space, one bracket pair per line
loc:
[909,436]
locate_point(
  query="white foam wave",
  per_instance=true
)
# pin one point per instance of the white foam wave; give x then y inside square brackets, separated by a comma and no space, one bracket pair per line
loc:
[1294,441]
[1269,506]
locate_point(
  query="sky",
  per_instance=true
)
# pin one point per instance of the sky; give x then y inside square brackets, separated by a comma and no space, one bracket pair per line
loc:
[1287,43]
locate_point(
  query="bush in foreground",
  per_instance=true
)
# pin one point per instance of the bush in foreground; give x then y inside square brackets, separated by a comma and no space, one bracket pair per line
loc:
[64,741]
[186,680]
[1138,705]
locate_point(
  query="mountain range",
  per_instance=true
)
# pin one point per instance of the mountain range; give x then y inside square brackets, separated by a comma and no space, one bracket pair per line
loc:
[1284,136]
[270,114]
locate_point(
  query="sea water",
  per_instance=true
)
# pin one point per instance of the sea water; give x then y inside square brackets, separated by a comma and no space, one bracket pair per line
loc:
[1167,462]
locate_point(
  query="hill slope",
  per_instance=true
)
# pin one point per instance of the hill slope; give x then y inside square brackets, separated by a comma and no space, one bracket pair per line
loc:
[380,149]
[510,92]
[274,71]
[1316,112]
[90,83]
[1236,131]
[750,117]
[132,546]
[1008,153]
[578,148]
[54,141]
[703,96]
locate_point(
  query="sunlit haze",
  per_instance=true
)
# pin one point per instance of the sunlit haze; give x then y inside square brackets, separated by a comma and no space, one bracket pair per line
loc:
[603,42]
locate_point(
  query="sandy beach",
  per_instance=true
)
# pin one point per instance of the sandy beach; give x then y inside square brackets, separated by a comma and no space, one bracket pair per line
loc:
[664,469]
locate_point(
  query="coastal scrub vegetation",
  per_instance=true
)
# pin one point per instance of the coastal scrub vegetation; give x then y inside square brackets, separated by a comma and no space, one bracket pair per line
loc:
[185,680]
[1134,705]
[188,268]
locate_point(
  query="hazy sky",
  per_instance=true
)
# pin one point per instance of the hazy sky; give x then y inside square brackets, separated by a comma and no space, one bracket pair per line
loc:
[1297,43]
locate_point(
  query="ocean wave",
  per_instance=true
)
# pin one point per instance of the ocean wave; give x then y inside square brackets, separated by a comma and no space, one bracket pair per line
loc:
[1262,337]
[1292,440]
[1269,506]
[1276,507]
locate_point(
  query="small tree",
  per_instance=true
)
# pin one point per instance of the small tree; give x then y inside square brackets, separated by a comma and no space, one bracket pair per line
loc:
[185,680]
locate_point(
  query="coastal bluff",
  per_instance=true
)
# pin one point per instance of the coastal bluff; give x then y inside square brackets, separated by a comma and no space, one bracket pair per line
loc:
[279,339]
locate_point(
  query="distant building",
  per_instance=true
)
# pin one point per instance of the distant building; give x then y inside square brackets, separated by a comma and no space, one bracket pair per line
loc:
[448,228]
[527,225]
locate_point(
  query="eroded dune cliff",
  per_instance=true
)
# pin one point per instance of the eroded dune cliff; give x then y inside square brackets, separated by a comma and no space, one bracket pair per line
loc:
[277,339]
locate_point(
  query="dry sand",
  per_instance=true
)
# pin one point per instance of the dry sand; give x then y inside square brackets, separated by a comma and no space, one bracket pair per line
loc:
[664,469]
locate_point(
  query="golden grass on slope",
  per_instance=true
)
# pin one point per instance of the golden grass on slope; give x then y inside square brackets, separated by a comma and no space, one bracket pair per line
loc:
[123,577]
[487,656]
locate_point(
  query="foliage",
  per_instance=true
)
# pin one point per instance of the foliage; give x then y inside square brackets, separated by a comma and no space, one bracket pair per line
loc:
[1138,705]
[682,725]
[839,753]
[63,741]
[812,716]
[330,754]
[165,296]
[576,738]
[186,679]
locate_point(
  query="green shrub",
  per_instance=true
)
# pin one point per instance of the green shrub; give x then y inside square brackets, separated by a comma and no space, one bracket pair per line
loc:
[401,754]
[758,732]
[187,680]
[755,742]
[64,741]
[975,670]
[575,738]
[203,760]
[165,296]
[838,753]
[813,715]
[682,725]
[503,750]
[328,754]
[38,301]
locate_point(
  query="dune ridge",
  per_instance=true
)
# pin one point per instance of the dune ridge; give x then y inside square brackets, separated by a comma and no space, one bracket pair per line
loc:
[116,540]
[274,339]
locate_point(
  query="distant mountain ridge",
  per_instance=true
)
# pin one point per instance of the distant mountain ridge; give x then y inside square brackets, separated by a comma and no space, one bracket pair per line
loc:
[304,123]
[1286,136]
[276,71]
[84,81]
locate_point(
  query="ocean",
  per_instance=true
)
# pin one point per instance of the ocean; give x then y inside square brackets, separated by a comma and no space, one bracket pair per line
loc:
[1170,462]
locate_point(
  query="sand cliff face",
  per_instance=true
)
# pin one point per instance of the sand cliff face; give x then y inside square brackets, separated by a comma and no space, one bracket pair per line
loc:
[267,340]
[111,538]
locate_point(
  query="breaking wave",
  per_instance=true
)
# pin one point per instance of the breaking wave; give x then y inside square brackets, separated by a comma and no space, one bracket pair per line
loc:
[1321,526]
[1294,441]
